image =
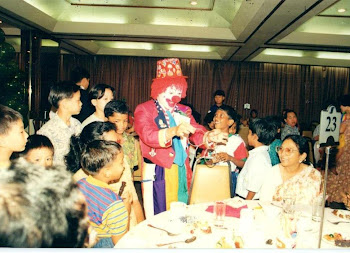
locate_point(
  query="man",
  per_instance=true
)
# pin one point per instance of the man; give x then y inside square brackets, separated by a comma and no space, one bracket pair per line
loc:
[165,127]
[81,77]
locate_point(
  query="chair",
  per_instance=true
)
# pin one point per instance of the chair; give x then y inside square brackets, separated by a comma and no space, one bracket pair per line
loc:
[311,150]
[210,183]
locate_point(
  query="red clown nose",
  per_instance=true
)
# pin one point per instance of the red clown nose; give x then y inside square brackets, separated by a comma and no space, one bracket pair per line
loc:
[176,99]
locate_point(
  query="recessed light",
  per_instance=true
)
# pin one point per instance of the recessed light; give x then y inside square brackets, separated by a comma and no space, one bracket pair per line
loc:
[193,3]
[341,10]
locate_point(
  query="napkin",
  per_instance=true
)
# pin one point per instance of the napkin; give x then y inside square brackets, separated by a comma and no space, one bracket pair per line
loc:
[230,211]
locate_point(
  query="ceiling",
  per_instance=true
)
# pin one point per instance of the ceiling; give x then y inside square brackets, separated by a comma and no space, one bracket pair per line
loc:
[311,32]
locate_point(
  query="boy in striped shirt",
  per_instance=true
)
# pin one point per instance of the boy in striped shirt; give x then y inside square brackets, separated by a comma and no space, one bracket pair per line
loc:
[108,213]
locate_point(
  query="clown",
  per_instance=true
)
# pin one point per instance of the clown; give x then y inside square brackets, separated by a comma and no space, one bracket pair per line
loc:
[165,127]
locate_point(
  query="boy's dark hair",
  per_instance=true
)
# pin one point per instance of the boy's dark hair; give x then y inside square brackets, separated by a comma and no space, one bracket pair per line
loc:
[8,116]
[232,114]
[219,93]
[40,208]
[98,91]
[97,154]
[275,121]
[37,141]
[78,73]
[116,106]
[264,130]
[91,132]
[288,111]
[302,145]
[60,91]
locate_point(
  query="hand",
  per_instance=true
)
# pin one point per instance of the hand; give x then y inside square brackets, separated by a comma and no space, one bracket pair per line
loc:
[184,129]
[217,136]
[222,157]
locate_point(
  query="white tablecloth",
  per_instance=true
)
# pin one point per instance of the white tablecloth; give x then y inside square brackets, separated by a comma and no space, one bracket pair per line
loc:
[265,226]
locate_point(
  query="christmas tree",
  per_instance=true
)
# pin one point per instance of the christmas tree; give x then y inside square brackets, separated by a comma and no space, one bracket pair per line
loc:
[13,91]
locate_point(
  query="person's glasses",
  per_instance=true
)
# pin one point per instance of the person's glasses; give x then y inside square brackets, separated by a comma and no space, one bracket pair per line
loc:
[287,151]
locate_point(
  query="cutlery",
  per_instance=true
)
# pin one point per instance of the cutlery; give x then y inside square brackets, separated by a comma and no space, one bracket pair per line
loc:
[189,240]
[169,233]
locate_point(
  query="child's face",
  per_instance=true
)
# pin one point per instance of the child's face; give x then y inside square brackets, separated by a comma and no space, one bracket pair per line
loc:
[117,167]
[120,121]
[291,119]
[42,156]
[16,138]
[73,104]
[222,121]
[101,103]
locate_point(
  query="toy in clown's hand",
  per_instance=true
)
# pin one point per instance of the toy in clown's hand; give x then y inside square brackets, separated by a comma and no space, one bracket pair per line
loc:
[165,127]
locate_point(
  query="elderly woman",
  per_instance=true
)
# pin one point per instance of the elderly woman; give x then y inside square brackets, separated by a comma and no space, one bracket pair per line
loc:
[293,177]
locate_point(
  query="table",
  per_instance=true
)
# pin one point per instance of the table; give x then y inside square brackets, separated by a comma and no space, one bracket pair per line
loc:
[266,225]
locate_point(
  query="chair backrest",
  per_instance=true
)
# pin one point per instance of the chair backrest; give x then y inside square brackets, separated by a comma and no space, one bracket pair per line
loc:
[210,184]
[311,150]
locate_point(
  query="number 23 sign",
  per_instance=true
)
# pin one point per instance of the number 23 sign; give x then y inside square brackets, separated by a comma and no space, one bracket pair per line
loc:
[329,127]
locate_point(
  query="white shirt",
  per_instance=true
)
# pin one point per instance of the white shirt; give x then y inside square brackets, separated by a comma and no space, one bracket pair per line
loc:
[90,119]
[59,134]
[254,172]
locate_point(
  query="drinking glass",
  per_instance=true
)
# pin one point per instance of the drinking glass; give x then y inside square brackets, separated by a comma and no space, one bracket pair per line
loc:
[317,209]
[219,212]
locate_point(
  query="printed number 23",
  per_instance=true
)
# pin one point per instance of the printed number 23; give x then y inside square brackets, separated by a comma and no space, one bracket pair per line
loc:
[331,126]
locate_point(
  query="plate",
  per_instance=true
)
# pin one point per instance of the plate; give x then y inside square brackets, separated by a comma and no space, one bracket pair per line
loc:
[341,214]
[333,242]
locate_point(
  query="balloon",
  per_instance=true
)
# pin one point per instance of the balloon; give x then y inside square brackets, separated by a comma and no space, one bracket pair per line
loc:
[7,52]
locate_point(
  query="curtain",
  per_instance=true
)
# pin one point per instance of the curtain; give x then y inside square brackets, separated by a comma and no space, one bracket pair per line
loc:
[268,88]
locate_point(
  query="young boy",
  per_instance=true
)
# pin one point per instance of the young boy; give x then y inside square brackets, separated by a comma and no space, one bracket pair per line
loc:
[117,112]
[65,96]
[39,150]
[234,151]
[108,215]
[13,138]
[251,178]
[99,96]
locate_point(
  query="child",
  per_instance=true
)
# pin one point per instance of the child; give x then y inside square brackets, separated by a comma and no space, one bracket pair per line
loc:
[39,150]
[234,151]
[99,96]
[13,138]
[65,96]
[251,177]
[117,112]
[276,122]
[103,131]
[108,215]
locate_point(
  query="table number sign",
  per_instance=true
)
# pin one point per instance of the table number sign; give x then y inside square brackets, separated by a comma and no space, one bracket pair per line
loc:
[329,127]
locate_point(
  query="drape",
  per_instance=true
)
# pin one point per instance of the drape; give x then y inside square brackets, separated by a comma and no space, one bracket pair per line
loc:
[268,88]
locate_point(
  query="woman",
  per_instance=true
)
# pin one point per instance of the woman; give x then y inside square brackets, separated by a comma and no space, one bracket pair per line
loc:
[338,185]
[291,124]
[293,177]
[104,131]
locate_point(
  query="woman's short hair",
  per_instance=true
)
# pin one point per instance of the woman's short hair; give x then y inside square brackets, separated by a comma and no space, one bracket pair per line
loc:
[98,91]
[116,106]
[91,132]
[302,145]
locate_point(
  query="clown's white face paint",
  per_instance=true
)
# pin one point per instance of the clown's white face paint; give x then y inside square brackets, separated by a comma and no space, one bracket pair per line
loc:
[169,98]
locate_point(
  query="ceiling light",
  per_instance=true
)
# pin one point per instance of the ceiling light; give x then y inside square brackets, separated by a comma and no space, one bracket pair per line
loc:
[333,55]
[341,10]
[193,3]
[283,52]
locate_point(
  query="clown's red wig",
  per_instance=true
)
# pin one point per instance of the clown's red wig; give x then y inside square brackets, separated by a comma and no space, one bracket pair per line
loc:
[159,85]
